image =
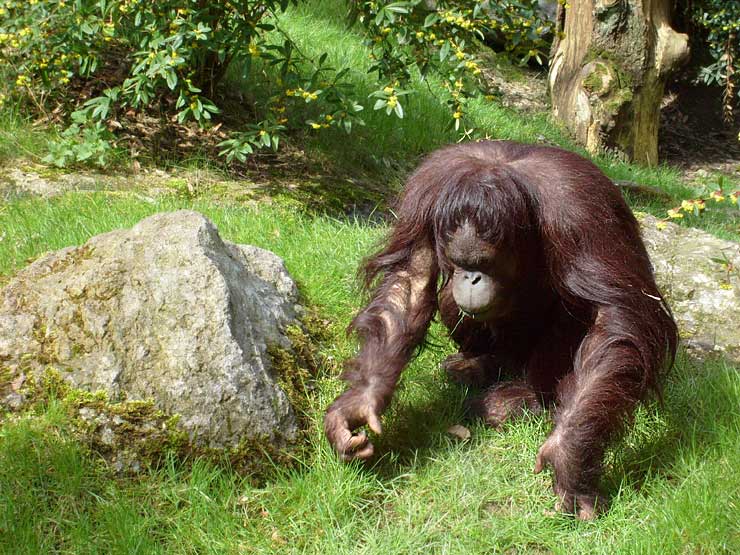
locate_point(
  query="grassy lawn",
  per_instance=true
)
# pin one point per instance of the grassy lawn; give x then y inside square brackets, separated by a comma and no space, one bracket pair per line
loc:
[673,481]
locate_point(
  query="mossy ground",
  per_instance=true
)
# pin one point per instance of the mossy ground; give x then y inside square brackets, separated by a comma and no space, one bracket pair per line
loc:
[134,436]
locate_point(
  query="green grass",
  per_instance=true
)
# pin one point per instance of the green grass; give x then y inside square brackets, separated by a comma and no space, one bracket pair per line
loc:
[674,480]
[18,138]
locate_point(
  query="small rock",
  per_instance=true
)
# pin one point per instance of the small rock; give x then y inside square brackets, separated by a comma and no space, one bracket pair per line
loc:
[459,431]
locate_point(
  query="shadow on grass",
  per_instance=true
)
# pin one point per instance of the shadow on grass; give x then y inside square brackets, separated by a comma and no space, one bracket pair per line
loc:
[698,414]
[336,197]
[416,433]
[697,417]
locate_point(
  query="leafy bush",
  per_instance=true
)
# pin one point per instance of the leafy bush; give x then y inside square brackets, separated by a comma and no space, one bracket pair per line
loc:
[719,24]
[407,38]
[98,64]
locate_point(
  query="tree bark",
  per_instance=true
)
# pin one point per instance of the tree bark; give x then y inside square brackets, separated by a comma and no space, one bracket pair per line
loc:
[608,71]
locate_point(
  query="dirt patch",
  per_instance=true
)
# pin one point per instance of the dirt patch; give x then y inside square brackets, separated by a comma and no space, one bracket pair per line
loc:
[275,180]
[693,136]
[519,87]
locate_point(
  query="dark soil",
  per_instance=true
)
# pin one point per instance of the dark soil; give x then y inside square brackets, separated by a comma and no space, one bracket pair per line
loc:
[693,136]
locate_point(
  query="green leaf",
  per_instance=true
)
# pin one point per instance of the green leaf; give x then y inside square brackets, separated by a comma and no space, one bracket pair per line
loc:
[84,152]
[444,52]
[397,8]
[171,78]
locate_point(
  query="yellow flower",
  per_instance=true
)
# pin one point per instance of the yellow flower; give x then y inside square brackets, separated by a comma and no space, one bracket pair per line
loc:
[392,101]
[716,196]
[457,115]
[675,213]
[254,49]
[388,90]
[315,125]
[687,205]
[472,66]
[661,225]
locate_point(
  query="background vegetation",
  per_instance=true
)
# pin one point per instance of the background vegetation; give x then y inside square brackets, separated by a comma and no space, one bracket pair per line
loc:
[124,58]
[714,27]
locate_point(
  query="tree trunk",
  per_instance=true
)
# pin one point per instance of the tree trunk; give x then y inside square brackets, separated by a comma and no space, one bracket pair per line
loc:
[608,71]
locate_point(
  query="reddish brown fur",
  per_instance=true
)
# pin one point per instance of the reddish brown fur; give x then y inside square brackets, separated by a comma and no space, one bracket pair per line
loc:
[589,330]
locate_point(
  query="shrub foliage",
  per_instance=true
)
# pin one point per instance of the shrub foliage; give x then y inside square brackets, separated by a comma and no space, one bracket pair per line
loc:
[718,23]
[95,65]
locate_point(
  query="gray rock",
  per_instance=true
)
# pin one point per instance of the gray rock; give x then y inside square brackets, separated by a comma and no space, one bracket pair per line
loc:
[164,311]
[32,183]
[698,273]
